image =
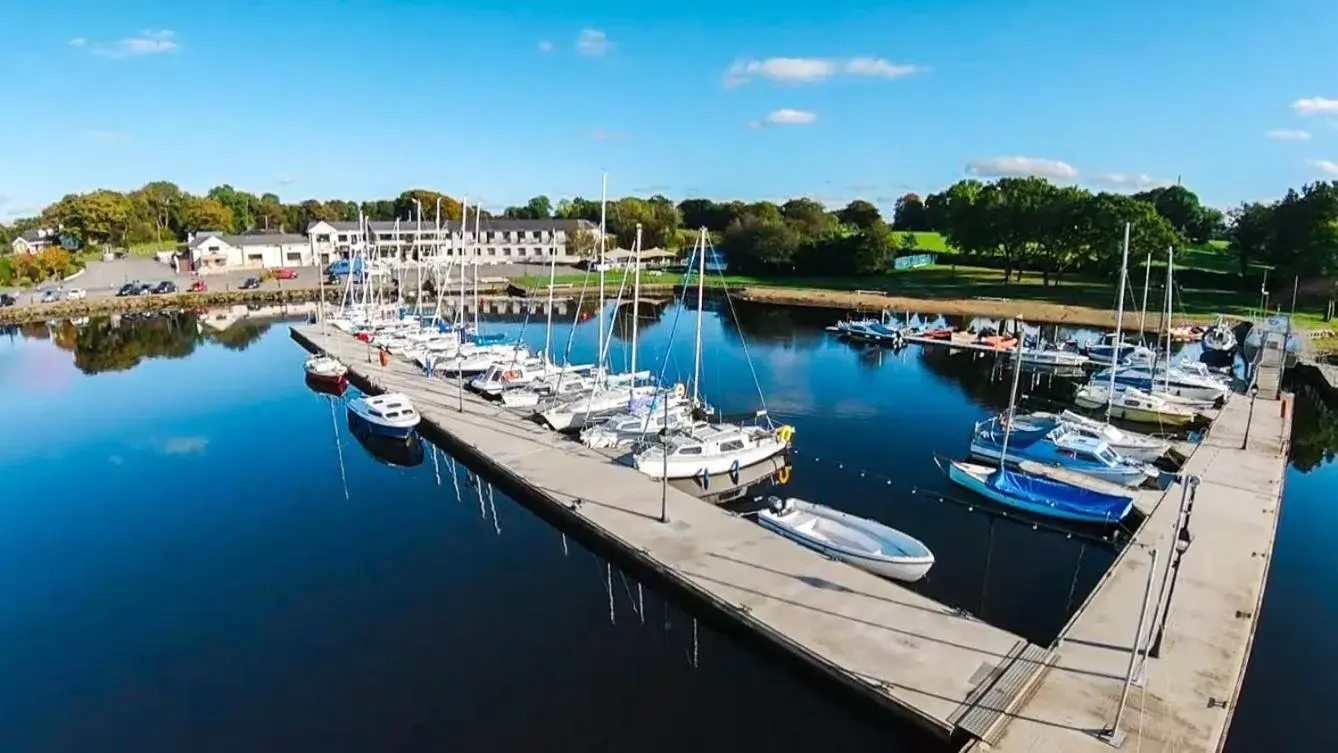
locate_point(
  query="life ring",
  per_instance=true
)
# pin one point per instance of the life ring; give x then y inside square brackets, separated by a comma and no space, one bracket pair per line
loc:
[680,390]
[783,476]
[785,434]
[509,375]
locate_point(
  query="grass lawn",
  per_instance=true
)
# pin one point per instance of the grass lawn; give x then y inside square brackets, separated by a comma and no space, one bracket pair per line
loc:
[153,247]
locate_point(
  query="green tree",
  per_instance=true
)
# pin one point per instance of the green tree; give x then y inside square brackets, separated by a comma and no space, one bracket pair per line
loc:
[860,214]
[205,214]
[910,213]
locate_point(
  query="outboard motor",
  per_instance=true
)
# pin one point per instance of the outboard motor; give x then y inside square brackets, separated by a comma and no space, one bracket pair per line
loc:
[777,505]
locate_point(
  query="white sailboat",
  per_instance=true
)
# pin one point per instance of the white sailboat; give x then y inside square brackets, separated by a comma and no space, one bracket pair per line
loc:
[322,366]
[710,449]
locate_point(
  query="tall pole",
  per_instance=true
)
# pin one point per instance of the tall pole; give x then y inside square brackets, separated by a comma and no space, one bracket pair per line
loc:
[603,211]
[1170,264]
[418,254]
[552,271]
[1147,280]
[1119,323]
[1182,538]
[1012,396]
[664,464]
[464,219]
[701,299]
[478,216]
[636,307]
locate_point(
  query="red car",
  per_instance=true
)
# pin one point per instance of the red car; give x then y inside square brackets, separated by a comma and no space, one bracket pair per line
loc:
[286,274]
[198,287]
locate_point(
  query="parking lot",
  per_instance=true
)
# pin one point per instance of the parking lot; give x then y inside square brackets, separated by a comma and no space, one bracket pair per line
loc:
[102,279]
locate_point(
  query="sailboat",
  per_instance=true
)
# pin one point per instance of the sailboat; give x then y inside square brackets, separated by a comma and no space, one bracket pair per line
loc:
[1035,493]
[866,544]
[1219,338]
[1059,445]
[1130,444]
[322,367]
[704,448]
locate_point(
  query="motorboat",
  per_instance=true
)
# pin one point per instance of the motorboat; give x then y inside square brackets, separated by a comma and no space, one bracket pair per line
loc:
[1113,349]
[335,387]
[1129,444]
[483,359]
[1219,338]
[1041,495]
[502,375]
[1132,404]
[1172,381]
[646,417]
[1048,356]
[325,368]
[1057,444]
[388,415]
[393,451]
[1280,326]
[863,543]
[707,449]
[604,400]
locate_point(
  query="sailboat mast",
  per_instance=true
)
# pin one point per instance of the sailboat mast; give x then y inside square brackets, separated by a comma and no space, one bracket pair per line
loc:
[636,306]
[418,266]
[464,219]
[552,272]
[1170,265]
[1147,280]
[1119,323]
[478,215]
[1012,395]
[701,297]
[603,216]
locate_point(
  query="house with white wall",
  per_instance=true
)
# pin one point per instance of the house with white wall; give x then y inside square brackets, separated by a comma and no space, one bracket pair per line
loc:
[212,252]
[498,240]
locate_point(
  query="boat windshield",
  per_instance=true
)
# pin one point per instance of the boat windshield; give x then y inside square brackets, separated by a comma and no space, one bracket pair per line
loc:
[1108,456]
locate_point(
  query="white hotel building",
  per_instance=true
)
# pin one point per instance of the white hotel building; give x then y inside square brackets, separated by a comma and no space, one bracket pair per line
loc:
[498,241]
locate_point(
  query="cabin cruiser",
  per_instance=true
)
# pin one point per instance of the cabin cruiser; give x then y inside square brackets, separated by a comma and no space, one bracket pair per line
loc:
[1129,444]
[388,415]
[1280,326]
[603,401]
[1172,380]
[706,449]
[644,418]
[1219,338]
[1133,404]
[1108,350]
[1062,446]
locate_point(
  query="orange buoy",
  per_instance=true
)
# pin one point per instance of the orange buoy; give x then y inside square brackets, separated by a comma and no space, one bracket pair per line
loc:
[385,358]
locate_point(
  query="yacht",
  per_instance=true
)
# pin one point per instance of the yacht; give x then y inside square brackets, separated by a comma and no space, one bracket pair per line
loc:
[646,418]
[1058,445]
[1132,404]
[711,449]
[388,415]
[1171,380]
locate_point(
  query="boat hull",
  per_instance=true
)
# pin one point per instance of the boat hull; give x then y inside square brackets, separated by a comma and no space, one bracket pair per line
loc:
[375,429]
[959,474]
[1121,476]
[906,569]
[653,464]
[1138,415]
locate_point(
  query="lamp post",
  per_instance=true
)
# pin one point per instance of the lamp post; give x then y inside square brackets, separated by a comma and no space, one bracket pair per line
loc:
[1183,538]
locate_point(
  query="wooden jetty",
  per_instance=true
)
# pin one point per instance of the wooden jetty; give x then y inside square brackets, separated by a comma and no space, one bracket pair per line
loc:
[932,664]
[1208,599]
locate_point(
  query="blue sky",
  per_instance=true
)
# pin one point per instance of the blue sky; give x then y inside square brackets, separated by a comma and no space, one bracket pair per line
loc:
[833,100]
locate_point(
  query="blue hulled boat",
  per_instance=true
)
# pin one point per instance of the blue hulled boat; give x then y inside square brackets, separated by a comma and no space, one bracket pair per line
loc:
[1060,445]
[1041,495]
[389,415]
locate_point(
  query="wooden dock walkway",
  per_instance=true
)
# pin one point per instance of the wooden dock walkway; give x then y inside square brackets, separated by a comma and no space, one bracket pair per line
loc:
[1191,686]
[934,665]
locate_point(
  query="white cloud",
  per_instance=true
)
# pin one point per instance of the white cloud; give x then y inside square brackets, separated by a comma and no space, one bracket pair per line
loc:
[1130,181]
[1004,167]
[879,67]
[1288,134]
[1325,165]
[285,179]
[184,445]
[789,116]
[149,42]
[545,46]
[602,135]
[811,70]
[108,137]
[1315,105]
[78,41]
[593,43]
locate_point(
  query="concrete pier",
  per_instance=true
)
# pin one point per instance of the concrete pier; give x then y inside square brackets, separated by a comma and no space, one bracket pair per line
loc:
[937,667]
[1185,692]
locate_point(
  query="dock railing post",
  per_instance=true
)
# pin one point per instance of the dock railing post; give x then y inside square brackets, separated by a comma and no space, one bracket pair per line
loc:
[1183,538]
[1254,392]
[1112,734]
[664,469]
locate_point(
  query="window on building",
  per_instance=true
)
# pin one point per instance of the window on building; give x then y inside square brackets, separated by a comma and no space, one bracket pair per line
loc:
[295,256]
[492,251]
[506,251]
[552,252]
[537,252]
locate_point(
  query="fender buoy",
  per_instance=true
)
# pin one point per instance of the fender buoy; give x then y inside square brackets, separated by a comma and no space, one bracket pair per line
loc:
[783,477]
[680,390]
[385,358]
[785,434]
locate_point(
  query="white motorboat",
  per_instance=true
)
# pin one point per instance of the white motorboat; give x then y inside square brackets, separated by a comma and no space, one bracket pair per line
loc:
[711,449]
[1172,381]
[1219,337]
[863,543]
[325,368]
[1133,404]
[1053,357]
[1129,444]
[1279,325]
[388,415]
[646,419]
[502,375]
[599,404]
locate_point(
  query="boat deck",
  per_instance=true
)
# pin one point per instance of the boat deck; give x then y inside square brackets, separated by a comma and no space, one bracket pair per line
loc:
[1190,689]
[934,665]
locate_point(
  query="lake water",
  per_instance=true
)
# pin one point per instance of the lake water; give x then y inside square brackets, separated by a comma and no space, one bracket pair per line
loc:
[197,555]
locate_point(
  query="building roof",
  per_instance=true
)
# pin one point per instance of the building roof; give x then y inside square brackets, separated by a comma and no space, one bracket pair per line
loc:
[487,224]
[32,236]
[203,236]
[264,239]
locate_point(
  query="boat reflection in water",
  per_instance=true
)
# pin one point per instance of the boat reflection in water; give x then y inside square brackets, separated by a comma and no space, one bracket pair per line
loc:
[401,453]
[728,487]
[335,387]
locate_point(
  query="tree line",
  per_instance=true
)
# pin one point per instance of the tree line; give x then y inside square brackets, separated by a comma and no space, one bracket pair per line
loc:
[1014,224]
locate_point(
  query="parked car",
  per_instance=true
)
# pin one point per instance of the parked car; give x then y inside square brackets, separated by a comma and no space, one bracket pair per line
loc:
[50,295]
[143,288]
[251,283]
[166,286]
[76,294]
[199,287]
[7,300]
[130,288]
[286,274]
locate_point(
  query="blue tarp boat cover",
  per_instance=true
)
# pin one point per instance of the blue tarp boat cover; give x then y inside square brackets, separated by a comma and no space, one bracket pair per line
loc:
[1047,492]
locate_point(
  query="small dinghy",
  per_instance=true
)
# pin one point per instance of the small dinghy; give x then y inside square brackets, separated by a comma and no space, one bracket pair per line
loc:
[855,541]
[325,369]
[389,415]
